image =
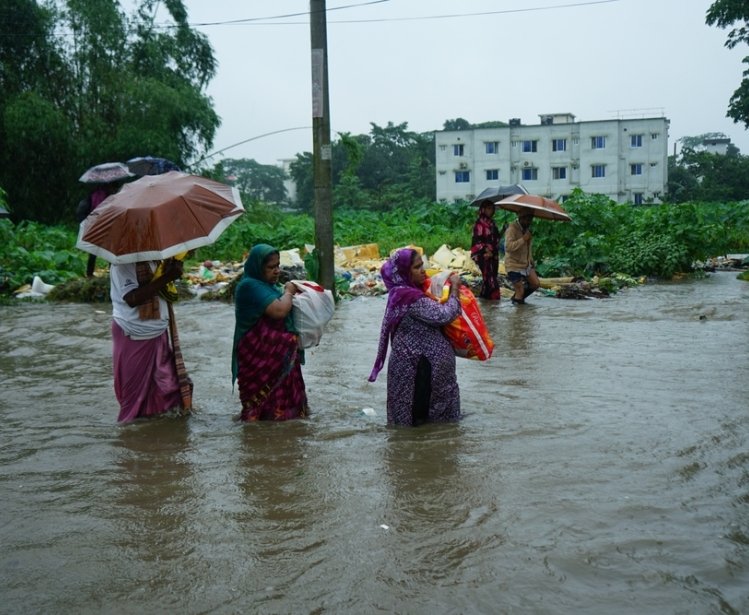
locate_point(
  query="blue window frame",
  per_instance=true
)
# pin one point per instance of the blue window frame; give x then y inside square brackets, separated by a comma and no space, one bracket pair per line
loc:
[529,174]
[598,142]
[635,140]
[492,174]
[598,170]
[635,169]
[637,198]
[492,147]
[458,149]
[559,145]
[462,177]
[559,172]
[530,146]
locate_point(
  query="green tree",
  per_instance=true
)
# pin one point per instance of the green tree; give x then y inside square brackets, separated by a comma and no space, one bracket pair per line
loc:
[699,175]
[457,124]
[262,182]
[301,172]
[721,178]
[734,14]
[84,83]
[389,166]
[682,185]
[348,191]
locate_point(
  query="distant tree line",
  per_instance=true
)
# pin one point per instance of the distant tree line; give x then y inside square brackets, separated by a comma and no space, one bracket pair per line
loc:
[84,82]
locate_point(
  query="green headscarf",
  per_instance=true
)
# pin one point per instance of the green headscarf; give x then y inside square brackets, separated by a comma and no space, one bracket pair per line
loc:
[252,296]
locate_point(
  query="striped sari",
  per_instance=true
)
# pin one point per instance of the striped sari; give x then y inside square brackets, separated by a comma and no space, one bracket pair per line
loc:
[271,387]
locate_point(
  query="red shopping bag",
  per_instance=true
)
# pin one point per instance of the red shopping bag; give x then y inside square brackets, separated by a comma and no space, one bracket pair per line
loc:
[468,334]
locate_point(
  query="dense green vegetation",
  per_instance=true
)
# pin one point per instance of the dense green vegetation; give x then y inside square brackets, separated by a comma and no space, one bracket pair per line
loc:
[84,83]
[604,237]
[89,82]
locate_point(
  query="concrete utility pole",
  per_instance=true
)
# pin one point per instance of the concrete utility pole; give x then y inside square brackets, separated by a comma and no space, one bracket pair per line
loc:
[321,148]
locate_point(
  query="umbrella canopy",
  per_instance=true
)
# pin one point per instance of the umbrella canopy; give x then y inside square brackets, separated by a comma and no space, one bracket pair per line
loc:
[106,173]
[4,213]
[149,165]
[159,216]
[539,206]
[498,192]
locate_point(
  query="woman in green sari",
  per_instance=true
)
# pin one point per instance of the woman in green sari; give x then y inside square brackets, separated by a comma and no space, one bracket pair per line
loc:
[266,358]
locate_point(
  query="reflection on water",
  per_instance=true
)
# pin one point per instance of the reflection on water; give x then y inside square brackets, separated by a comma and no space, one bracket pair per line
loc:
[601,467]
[152,489]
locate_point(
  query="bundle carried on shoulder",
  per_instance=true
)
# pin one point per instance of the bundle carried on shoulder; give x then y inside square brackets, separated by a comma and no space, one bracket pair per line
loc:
[468,333]
[311,309]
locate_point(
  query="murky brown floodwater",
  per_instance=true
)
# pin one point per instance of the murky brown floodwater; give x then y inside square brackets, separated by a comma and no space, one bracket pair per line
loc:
[602,467]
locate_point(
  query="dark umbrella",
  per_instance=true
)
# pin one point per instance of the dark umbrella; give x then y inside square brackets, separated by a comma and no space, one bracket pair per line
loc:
[498,192]
[149,165]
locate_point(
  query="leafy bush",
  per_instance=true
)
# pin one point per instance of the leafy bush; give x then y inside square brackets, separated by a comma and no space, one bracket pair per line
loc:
[30,249]
[603,237]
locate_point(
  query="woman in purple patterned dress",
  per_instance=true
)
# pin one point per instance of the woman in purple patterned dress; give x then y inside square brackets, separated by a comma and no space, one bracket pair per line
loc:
[421,381]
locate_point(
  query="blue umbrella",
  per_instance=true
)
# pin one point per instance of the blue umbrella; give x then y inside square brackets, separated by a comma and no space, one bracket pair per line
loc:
[150,165]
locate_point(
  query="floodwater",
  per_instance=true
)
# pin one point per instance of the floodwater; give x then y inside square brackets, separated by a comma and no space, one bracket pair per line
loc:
[602,467]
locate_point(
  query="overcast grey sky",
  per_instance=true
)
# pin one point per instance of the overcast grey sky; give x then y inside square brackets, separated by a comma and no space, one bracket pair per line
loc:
[425,61]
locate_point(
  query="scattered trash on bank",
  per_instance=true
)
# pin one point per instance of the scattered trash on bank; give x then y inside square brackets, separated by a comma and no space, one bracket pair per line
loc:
[357,273]
[38,289]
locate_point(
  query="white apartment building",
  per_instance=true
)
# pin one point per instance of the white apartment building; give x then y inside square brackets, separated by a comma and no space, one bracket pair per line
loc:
[625,159]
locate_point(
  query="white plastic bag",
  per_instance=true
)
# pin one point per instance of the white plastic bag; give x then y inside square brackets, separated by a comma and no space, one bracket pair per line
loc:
[311,309]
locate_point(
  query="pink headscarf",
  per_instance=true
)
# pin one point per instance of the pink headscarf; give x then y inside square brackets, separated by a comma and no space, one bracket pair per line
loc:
[402,292]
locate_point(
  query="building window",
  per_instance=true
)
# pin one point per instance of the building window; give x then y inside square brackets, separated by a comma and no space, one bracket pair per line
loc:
[559,145]
[635,140]
[492,147]
[458,149]
[598,170]
[575,141]
[443,148]
[492,174]
[654,136]
[637,198]
[598,142]
[559,172]
[530,146]
[529,174]
[462,177]
[635,169]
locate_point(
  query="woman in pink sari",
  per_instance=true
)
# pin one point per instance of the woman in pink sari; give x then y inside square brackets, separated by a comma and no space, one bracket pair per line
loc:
[266,358]
[146,382]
